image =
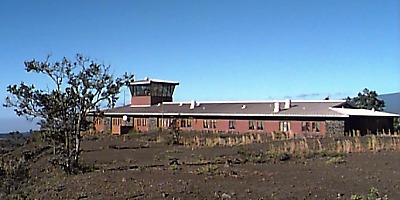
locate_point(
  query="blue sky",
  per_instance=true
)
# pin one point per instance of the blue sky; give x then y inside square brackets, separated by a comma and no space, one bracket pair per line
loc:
[217,50]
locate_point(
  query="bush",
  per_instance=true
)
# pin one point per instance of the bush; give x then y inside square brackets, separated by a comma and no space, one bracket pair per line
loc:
[372,195]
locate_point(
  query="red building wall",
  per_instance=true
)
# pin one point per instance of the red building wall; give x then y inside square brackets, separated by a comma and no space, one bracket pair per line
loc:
[270,126]
[99,124]
[222,125]
[149,100]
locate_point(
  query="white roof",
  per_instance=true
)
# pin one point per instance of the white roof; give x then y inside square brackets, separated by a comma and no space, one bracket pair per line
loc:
[362,112]
[148,81]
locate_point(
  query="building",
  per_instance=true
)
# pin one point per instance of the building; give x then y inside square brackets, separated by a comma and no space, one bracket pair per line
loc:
[152,108]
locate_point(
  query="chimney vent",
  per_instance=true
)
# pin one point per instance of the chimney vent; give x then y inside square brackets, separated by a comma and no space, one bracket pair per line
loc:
[288,103]
[276,107]
[192,104]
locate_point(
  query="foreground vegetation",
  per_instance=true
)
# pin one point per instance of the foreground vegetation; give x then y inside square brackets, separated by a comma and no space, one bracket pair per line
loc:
[28,171]
[77,90]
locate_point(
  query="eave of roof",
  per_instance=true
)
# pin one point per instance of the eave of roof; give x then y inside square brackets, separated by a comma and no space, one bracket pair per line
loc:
[363,112]
[226,114]
[144,82]
[257,101]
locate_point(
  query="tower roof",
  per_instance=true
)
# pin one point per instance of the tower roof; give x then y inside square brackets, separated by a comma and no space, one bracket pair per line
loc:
[147,81]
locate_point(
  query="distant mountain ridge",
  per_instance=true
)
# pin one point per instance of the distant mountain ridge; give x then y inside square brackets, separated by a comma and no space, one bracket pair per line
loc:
[392,102]
[20,124]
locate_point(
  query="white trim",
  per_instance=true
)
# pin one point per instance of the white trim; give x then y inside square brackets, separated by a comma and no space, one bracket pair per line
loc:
[140,106]
[362,112]
[141,82]
[228,114]
[258,101]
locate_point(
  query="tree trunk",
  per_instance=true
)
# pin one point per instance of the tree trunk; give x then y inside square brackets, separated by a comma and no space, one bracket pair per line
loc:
[77,142]
[68,153]
[77,149]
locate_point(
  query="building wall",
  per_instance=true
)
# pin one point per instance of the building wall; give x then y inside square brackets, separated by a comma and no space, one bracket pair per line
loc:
[335,127]
[149,100]
[271,126]
[296,127]
[141,124]
[99,124]
[368,125]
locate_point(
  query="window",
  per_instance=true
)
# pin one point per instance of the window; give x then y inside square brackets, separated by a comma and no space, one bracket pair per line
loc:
[186,123]
[183,123]
[251,125]
[153,89]
[140,90]
[231,124]
[141,122]
[213,123]
[165,122]
[205,124]
[284,126]
[305,126]
[260,125]
[98,121]
[116,121]
[315,127]
[210,124]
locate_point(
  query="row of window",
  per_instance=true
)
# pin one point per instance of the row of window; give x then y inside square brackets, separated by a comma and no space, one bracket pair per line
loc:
[165,122]
[141,122]
[186,123]
[155,89]
[98,121]
[212,124]
[253,125]
[168,122]
[305,127]
[116,121]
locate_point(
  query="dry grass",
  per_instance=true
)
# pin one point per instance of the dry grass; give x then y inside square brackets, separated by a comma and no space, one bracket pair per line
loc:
[299,147]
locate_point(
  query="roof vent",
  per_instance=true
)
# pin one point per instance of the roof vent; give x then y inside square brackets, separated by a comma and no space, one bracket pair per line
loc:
[192,104]
[288,103]
[243,106]
[276,107]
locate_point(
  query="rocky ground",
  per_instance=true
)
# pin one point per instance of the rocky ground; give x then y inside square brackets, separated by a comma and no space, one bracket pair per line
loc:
[139,166]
